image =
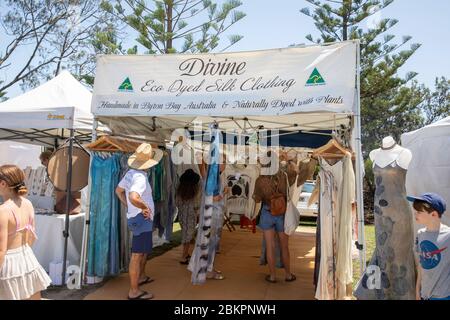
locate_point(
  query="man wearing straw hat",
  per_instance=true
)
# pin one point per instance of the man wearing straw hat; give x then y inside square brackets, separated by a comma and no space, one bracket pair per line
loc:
[135,192]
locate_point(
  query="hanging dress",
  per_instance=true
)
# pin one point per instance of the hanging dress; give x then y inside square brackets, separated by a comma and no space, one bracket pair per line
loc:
[394,232]
[337,193]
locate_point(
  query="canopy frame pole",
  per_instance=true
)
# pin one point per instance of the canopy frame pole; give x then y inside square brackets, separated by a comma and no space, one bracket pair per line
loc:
[359,173]
[68,203]
[84,245]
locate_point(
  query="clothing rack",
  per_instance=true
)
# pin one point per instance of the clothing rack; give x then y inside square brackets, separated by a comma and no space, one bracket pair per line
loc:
[114,144]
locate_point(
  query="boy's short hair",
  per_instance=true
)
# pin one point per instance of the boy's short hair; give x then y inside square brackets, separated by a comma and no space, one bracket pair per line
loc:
[424,206]
[429,202]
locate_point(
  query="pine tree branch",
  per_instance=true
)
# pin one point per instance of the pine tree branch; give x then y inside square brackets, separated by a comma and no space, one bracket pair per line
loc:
[151,39]
[195,14]
[178,15]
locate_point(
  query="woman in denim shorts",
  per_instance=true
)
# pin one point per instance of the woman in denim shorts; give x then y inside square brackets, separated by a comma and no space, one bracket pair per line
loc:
[273,225]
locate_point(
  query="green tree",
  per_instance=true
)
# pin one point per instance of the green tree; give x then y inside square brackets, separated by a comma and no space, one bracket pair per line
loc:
[387,104]
[168,26]
[43,37]
[437,104]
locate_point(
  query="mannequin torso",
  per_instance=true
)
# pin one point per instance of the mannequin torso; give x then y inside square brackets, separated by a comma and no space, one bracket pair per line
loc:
[389,153]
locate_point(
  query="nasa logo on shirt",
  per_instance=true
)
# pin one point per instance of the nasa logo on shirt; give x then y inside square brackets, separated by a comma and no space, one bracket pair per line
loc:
[430,254]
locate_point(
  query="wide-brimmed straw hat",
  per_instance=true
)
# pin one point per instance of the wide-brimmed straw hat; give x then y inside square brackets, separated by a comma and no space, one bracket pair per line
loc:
[145,157]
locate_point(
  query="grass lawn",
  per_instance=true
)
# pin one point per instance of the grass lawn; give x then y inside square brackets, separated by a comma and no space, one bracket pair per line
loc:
[175,241]
[370,247]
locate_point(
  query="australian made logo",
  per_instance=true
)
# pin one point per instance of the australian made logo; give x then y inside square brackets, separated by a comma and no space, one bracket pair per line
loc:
[126,86]
[315,79]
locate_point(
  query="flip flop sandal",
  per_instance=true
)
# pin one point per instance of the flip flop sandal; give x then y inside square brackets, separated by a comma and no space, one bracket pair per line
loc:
[268,279]
[216,276]
[185,261]
[141,296]
[147,280]
[292,278]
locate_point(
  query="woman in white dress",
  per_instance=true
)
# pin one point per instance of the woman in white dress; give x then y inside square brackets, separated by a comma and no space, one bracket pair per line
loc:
[21,275]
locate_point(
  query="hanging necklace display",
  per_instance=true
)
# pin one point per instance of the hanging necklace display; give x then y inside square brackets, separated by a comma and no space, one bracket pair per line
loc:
[389,148]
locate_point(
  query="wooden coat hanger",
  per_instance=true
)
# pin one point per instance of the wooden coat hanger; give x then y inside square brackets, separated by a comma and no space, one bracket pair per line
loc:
[114,144]
[332,150]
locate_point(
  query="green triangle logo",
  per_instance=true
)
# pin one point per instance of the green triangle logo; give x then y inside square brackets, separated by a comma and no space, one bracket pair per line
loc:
[126,85]
[315,78]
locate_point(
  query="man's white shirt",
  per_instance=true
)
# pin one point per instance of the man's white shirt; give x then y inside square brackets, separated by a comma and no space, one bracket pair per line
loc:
[137,181]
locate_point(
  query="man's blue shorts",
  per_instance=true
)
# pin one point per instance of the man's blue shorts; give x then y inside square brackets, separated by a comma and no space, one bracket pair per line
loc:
[267,221]
[142,243]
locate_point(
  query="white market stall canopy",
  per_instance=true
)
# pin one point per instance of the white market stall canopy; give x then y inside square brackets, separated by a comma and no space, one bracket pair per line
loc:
[41,115]
[299,88]
[429,170]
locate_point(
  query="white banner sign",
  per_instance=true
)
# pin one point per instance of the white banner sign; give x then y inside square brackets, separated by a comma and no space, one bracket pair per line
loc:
[271,82]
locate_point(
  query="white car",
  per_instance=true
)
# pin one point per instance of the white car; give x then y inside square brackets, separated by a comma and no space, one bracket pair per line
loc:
[302,205]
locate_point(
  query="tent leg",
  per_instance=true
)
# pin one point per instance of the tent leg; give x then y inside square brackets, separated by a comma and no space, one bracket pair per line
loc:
[359,170]
[68,203]
[86,217]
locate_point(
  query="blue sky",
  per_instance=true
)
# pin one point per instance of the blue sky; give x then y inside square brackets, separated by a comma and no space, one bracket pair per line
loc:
[427,21]
[276,24]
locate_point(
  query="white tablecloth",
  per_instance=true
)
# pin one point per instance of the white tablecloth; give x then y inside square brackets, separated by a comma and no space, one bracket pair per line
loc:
[49,247]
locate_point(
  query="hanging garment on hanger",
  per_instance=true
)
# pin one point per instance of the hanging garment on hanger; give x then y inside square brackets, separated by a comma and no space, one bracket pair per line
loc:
[216,230]
[295,189]
[169,201]
[306,170]
[327,270]
[394,234]
[158,182]
[200,259]
[344,266]
[164,197]
[172,208]
[317,256]
[337,184]
[103,246]
[125,234]
[240,181]
[156,176]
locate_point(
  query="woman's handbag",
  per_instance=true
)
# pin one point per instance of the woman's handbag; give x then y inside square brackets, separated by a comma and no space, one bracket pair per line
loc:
[139,224]
[277,203]
[292,216]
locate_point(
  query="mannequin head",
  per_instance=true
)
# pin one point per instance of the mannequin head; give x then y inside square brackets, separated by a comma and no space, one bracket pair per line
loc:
[388,142]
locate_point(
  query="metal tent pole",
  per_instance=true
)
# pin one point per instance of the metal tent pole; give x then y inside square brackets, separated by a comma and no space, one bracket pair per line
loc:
[359,172]
[68,203]
[86,216]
